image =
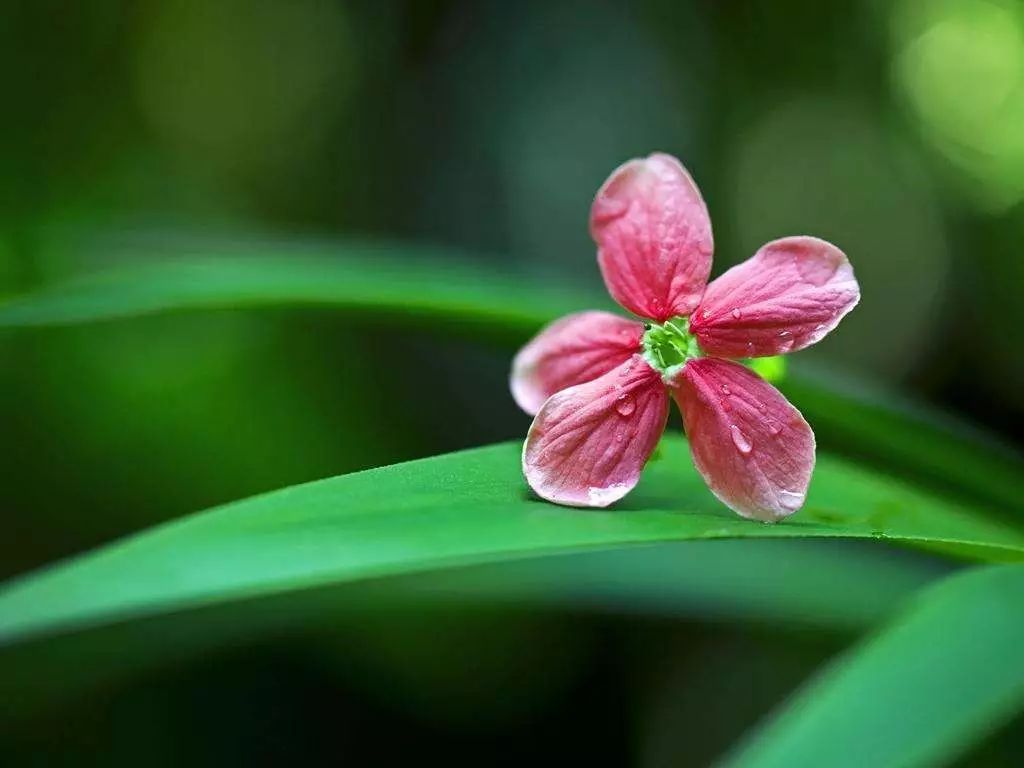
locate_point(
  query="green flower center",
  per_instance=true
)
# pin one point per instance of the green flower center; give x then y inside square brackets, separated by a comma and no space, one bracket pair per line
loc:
[667,347]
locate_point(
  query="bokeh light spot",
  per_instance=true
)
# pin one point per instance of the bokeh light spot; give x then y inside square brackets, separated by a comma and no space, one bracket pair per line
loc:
[960,67]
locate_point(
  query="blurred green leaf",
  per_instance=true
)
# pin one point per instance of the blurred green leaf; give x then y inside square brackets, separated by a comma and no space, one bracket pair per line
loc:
[937,680]
[835,585]
[429,288]
[771,369]
[462,508]
[397,282]
[832,585]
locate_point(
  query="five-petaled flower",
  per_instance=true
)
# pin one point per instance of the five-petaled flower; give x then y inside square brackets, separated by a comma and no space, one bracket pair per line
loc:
[599,384]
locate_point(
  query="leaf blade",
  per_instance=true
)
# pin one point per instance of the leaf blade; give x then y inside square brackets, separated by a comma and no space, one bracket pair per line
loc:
[837,587]
[355,277]
[920,692]
[463,508]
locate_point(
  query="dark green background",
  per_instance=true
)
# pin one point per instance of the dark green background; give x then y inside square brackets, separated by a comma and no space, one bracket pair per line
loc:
[140,131]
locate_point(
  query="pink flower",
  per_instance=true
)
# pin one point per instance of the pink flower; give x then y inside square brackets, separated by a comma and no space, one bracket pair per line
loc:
[599,385]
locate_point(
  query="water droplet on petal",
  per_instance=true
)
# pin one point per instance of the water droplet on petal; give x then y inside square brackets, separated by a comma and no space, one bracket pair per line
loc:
[705,314]
[750,349]
[773,425]
[791,500]
[725,389]
[761,406]
[625,404]
[785,341]
[725,404]
[740,440]
[736,313]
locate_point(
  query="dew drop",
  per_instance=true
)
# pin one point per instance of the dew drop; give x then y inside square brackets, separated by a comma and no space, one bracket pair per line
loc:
[725,389]
[625,404]
[740,440]
[750,349]
[773,426]
[705,314]
[761,406]
[791,500]
[785,341]
[736,313]
[726,405]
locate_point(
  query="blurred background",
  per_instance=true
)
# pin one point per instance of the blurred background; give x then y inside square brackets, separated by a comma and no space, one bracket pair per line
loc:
[131,130]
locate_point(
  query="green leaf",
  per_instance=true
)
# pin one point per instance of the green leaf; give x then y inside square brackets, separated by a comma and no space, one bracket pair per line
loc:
[402,283]
[935,681]
[771,369]
[834,586]
[462,508]
[406,284]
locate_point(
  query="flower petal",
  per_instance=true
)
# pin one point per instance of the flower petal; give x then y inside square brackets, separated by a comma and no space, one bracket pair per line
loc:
[574,350]
[653,237]
[588,444]
[752,447]
[787,296]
